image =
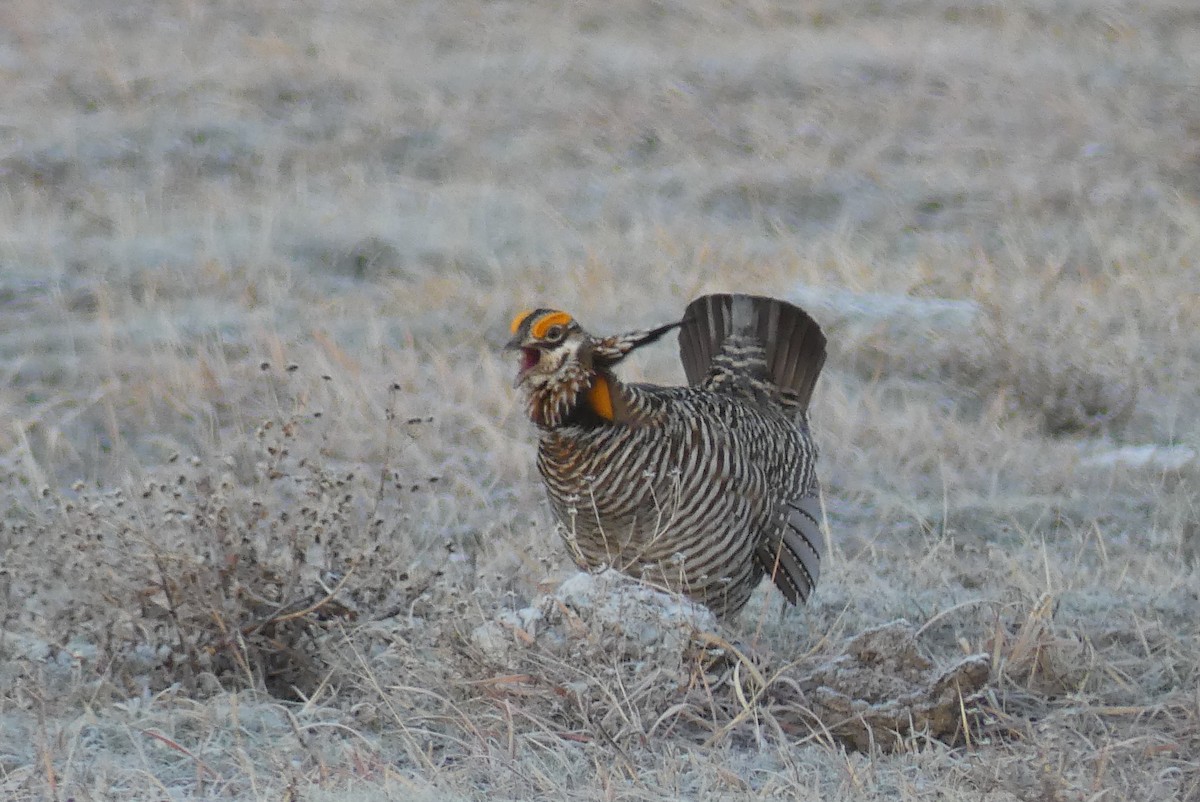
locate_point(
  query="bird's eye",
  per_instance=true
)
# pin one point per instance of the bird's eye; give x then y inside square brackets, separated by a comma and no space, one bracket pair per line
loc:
[554,333]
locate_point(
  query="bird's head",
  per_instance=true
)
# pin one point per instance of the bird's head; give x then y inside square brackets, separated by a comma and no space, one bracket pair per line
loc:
[552,345]
[556,363]
[564,370]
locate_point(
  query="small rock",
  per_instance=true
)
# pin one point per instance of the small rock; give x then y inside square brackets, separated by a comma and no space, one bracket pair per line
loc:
[868,310]
[1165,458]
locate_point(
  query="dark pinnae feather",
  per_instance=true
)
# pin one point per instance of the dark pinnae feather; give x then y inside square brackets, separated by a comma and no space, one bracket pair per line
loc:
[611,350]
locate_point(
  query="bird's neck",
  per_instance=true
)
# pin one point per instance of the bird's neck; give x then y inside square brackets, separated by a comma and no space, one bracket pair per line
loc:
[590,398]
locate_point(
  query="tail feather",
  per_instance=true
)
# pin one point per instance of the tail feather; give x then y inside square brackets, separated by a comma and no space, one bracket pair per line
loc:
[793,558]
[705,327]
[721,338]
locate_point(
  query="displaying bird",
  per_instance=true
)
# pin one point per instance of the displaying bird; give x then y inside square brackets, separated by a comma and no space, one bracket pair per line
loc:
[702,489]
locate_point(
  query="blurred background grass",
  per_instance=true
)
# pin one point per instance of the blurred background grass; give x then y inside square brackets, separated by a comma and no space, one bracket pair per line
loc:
[322,215]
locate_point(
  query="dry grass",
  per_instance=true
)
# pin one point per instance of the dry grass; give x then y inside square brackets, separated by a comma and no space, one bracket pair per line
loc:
[263,472]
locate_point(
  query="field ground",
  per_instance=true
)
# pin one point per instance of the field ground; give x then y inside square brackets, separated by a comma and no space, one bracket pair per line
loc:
[263,471]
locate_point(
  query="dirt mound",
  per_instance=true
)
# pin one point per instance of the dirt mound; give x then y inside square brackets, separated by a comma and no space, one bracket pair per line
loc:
[604,631]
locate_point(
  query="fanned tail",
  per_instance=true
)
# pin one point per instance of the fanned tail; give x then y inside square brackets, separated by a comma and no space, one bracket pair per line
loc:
[751,341]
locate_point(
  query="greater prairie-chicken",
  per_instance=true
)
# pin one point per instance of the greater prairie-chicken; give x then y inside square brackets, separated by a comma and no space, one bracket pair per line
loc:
[701,489]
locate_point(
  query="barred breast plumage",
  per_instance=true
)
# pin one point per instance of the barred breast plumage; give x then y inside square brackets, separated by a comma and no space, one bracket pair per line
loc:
[701,489]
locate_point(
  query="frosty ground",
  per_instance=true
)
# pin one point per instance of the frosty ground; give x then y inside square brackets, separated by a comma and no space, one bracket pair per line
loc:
[264,473]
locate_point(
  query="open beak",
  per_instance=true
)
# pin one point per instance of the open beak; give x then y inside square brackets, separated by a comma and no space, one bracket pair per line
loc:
[529,358]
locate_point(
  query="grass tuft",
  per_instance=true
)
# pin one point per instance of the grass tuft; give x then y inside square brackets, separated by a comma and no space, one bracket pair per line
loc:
[270,524]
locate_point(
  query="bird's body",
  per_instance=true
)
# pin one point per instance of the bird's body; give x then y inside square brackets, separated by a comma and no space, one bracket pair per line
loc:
[700,489]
